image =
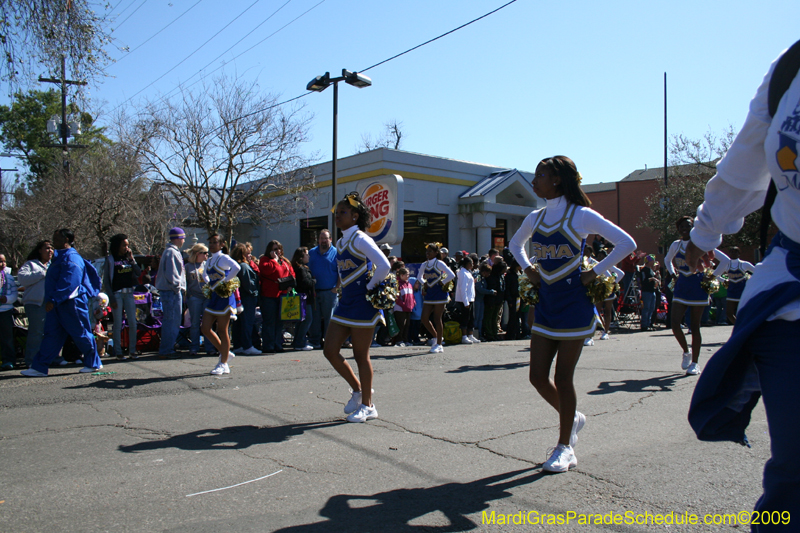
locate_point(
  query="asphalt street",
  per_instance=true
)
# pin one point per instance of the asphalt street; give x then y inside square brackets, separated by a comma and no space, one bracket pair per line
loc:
[161,445]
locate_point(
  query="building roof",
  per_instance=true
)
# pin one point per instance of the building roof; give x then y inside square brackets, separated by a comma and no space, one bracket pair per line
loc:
[492,182]
[599,187]
[657,173]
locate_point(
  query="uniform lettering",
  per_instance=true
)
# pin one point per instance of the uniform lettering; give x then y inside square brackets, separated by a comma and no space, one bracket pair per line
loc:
[347,264]
[551,251]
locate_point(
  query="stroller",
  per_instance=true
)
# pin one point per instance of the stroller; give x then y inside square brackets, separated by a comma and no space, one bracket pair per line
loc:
[148,323]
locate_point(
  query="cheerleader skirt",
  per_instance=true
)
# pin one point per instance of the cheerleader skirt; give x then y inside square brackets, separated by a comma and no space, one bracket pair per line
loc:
[220,306]
[735,291]
[689,292]
[354,311]
[564,312]
[435,295]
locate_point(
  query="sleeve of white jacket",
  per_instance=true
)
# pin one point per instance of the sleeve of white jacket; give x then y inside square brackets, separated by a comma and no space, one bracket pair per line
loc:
[673,250]
[517,244]
[742,178]
[592,222]
[367,246]
[230,265]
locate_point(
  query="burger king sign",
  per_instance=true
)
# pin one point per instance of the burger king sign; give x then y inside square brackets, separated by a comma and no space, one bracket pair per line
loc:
[383,197]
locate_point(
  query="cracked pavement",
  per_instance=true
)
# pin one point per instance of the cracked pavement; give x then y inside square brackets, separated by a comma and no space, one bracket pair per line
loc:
[459,434]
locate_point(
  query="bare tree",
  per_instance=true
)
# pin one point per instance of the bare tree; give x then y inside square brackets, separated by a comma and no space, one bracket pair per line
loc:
[227,153]
[36,33]
[391,137]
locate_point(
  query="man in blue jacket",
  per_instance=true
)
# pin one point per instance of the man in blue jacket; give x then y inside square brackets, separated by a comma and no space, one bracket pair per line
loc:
[70,283]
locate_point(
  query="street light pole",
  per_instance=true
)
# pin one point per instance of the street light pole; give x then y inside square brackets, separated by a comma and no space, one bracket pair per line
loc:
[319,84]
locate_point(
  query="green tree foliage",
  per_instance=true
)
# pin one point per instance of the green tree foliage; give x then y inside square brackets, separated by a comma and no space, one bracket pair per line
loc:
[692,163]
[23,131]
[38,33]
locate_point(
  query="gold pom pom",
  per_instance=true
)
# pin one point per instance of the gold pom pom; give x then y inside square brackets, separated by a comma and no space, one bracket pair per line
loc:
[601,288]
[709,283]
[528,294]
[223,290]
[384,294]
[449,286]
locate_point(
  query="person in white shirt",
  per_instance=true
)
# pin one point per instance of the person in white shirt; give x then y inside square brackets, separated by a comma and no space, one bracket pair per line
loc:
[356,256]
[564,316]
[760,360]
[737,272]
[220,269]
[465,301]
[434,275]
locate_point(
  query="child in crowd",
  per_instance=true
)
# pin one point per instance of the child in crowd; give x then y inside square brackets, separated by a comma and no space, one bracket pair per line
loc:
[465,301]
[415,318]
[403,306]
[100,314]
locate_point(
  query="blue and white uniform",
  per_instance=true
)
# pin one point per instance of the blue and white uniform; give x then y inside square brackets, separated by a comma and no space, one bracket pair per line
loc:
[356,255]
[435,273]
[221,268]
[761,356]
[736,270]
[687,284]
[557,235]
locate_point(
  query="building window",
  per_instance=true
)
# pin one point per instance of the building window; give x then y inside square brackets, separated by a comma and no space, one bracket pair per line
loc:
[420,229]
[310,228]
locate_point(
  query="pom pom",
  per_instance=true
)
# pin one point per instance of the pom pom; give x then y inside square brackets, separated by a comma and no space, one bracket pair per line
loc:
[528,294]
[709,283]
[601,288]
[223,290]
[384,294]
[449,286]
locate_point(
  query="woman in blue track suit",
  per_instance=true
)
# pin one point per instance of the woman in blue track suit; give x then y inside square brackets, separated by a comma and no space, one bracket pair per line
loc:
[761,357]
[565,314]
[356,256]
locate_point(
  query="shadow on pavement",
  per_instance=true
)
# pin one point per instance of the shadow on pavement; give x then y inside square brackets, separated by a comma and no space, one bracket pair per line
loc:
[121,384]
[483,368]
[662,383]
[230,438]
[393,510]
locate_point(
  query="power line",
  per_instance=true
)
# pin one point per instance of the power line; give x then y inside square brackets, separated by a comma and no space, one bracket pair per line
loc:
[159,31]
[129,16]
[248,49]
[439,37]
[190,55]
[119,4]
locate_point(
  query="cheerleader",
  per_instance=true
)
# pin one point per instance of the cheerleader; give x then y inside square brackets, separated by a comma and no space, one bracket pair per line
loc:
[435,275]
[737,272]
[687,294]
[564,316]
[606,308]
[220,269]
[354,316]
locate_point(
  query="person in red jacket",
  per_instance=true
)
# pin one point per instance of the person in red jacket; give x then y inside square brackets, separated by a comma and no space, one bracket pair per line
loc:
[273,269]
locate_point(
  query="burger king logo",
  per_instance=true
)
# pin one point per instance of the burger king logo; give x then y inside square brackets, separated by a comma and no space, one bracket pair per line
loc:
[377,200]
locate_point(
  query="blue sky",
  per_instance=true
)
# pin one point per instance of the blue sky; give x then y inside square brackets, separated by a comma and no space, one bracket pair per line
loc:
[583,79]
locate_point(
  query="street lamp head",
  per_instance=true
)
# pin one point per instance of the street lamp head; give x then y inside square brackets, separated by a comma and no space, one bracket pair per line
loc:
[319,83]
[355,79]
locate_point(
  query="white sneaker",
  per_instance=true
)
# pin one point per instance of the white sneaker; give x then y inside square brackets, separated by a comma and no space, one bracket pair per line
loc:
[238,350]
[561,460]
[588,342]
[433,348]
[221,368]
[693,370]
[252,351]
[307,348]
[439,348]
[604,336]
[363,413]
[577,425]
[400,345]
[687,360]
[474,340]
[353,402]
[32,373]
[86,369]
[465,340]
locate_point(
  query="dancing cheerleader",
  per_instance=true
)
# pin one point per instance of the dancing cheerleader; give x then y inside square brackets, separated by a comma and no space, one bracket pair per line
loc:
[564,316]
[220,269]
[354,316]
[435,275]
[688,293]
[738,272]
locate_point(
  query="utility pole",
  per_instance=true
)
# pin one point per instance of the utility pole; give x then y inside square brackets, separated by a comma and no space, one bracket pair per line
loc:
[64,126]
[2,191]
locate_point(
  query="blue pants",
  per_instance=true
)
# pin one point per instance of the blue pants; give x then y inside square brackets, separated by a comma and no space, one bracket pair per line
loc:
[36,316]
[271,324]
[648,308]
[774,346]
[324,304]
[127,304]
[67,318]
[244,322]
[172,307]
[302,328]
